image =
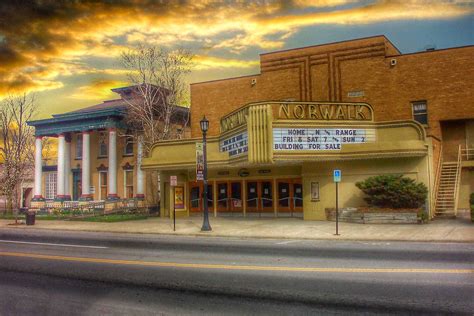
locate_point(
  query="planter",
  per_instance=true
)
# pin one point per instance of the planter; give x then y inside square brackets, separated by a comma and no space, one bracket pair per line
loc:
[373,216]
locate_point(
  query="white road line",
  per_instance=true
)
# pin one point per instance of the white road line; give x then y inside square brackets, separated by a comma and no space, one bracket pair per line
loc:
[50,244]
[287,242]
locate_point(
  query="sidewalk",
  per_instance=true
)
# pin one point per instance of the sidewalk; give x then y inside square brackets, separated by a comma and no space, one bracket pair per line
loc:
[439,230]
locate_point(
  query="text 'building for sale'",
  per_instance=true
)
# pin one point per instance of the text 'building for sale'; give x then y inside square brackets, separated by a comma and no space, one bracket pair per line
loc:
[360,106]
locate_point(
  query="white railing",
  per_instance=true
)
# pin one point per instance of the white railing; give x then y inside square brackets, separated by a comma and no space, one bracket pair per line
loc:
[437,178]
[458,180]
[467,153]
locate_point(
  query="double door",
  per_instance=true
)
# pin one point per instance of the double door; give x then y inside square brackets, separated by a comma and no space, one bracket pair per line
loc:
[290,195]
[260,196]
[196,197]
[229,196]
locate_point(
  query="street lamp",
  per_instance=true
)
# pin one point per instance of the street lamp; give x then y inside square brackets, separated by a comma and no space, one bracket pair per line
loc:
[204,127]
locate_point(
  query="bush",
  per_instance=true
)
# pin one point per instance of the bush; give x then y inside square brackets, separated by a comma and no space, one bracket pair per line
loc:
[393,191]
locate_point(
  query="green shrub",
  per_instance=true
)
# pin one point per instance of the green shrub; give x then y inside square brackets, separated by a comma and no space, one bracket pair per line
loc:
[393,191]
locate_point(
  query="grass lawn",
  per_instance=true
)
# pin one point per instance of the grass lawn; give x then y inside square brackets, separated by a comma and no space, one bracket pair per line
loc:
[113,218]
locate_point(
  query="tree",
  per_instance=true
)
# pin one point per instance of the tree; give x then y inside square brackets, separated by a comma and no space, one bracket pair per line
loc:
[158,79]
[16,144]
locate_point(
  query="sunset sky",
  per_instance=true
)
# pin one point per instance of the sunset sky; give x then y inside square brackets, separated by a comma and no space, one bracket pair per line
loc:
[68,54]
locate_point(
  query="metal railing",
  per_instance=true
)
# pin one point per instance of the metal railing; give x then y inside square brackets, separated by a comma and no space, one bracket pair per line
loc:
[458,180]
[438,178]
[467,153]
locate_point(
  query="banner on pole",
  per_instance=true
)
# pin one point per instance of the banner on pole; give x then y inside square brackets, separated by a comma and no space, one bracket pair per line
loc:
[199,162]
[179,197]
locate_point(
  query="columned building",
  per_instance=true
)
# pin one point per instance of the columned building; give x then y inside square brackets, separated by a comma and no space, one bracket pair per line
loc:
[97,159]
[359,106]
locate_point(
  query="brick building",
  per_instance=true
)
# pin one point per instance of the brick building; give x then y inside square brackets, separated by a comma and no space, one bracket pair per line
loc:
[413,114]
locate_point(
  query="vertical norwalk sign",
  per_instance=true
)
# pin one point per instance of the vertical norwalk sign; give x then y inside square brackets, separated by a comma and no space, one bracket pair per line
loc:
[199,162]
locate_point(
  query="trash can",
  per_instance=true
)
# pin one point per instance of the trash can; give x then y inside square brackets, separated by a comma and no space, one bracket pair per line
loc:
[30,217]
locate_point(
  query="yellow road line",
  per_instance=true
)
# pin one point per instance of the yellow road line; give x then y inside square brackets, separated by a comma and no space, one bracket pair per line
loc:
[233,267]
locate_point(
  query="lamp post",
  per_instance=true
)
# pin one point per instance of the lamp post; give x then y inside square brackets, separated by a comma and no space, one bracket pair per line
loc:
[204,127]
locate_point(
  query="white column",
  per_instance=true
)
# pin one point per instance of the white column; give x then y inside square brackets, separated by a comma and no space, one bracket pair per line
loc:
[38,169]
[86,166]
[112,185]
[140,175]
[61,165]
[67,169]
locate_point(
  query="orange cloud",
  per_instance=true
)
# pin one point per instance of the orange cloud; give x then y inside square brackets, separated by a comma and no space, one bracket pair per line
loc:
[98,90]
[41,44]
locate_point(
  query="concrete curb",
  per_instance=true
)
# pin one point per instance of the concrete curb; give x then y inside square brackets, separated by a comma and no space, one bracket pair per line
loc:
[220,235]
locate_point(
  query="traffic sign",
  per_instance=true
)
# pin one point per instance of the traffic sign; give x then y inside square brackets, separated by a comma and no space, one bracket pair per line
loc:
[337,175]
[173,181]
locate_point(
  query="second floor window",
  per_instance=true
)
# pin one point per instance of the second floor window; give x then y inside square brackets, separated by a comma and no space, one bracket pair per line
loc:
[128,146]
[103,144]
[79,146]
[420,112]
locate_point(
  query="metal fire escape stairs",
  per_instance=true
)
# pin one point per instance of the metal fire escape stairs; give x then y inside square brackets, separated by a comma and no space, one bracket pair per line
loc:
[447,189]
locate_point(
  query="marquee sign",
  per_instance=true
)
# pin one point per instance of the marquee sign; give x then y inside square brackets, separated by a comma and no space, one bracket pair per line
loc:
[296,139]
[325,111]
[234,120]
[235,145]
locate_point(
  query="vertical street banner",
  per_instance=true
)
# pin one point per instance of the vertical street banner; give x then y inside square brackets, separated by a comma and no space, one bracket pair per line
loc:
[179,197]
[199,162]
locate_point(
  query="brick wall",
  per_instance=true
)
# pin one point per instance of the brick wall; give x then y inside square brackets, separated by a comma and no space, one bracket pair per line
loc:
[330,72]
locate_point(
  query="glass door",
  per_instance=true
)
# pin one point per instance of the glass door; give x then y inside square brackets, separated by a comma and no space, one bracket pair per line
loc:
[210,198]
[266,195]
[195,197]
[252,196]
[297,195]
[223,197]
[284,202]
[236,204]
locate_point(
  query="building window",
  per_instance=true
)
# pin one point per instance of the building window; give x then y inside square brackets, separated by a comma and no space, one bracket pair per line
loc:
[420,112]
[128,148]
[79,146]
[128,183]
[103,185]
[103,145]
[50,185]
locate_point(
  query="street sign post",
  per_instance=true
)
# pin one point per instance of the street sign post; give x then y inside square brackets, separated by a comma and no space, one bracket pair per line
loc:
[337,178]
[173,183]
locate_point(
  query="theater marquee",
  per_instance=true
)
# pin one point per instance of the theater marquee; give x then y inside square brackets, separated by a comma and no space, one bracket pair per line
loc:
[325,111]
[296,139]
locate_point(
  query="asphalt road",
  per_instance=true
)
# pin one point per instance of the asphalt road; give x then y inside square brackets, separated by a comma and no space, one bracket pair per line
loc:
[65,273]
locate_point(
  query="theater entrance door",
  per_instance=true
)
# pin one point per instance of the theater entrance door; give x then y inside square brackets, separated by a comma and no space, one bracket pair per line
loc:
[259,196]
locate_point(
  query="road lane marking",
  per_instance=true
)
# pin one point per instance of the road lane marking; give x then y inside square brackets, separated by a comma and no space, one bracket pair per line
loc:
[287,242]
[233,267]
[50,244]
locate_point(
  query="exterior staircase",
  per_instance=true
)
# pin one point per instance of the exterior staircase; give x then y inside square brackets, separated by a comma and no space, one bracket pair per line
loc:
[447,189]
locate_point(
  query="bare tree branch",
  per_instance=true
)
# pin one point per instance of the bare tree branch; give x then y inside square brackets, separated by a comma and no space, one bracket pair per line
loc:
[16,144]
[158,77]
